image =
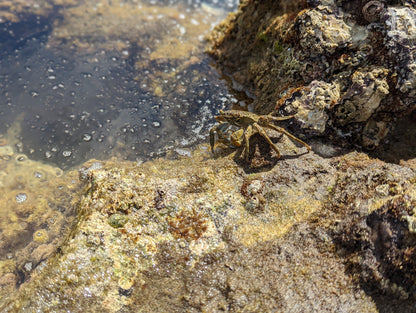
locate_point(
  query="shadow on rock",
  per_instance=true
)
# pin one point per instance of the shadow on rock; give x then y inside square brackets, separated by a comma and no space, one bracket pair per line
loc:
[380,250]
[375,232]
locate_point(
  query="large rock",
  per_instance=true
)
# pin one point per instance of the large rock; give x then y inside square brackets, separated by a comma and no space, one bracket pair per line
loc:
[345,69]
[198,235]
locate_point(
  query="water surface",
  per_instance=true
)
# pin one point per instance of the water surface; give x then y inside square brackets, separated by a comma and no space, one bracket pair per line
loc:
[104,78]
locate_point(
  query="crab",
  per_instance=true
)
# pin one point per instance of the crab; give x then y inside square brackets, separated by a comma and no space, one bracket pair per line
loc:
[251,124]
[226,134]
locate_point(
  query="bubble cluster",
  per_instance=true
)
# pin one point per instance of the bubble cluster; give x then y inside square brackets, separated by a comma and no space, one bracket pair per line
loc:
[35,213]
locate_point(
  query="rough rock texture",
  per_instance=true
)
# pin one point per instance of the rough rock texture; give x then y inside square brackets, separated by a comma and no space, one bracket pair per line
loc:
[202,235]
[346,69]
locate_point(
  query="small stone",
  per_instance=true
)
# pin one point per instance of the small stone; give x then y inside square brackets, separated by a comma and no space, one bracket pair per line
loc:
[28,266]
[118,220]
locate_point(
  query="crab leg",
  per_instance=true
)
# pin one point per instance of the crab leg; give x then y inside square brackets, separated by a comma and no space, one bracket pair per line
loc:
[283,131]
[212,132]
[264,135]
[279,118]
[247,134]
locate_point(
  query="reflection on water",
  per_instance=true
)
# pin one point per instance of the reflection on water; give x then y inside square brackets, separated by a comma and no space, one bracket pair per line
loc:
[92,79]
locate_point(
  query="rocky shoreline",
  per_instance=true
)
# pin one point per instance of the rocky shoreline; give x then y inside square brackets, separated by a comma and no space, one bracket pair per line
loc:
[329,230]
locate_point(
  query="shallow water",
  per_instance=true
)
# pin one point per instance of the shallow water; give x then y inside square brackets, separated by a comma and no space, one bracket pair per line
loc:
[84,80]
[130,80]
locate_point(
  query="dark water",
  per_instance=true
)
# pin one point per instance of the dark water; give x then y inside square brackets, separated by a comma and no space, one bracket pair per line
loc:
[76,104]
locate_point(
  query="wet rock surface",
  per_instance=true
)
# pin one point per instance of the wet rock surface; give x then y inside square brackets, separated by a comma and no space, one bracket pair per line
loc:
[198,234]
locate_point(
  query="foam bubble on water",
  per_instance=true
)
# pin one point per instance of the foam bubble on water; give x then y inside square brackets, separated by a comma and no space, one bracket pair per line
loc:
[86,137]
[66,153]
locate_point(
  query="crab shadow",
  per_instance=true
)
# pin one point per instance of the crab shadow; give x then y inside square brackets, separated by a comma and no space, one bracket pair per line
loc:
[398,146]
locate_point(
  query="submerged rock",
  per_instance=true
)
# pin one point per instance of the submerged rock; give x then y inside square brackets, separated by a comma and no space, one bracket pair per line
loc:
[36,214]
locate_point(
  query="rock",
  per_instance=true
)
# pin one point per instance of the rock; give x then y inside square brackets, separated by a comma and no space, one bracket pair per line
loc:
[346,69]
[377,235]
[304,233]
[206,236]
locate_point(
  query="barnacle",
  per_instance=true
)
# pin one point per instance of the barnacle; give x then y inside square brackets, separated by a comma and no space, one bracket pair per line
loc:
[373,11]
